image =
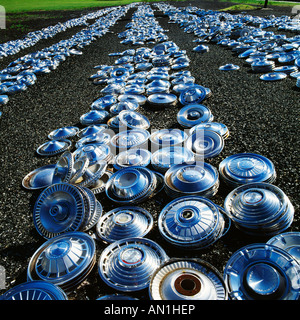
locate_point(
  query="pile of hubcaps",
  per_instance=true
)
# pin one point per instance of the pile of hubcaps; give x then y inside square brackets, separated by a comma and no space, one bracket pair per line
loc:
[64,208]
[191,222]
[127,265]
[259,209]
[67,206]
[192,179]
[189,279]
[262,272]
[64,260]
[133,185]
[245,168]
[124,222]
[205,144]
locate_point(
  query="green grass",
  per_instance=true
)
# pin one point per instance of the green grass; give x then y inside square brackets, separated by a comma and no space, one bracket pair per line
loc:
[239,7]
[12,6]
[262,2]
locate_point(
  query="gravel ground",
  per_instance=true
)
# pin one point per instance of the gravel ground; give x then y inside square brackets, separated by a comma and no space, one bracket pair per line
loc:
[262,118]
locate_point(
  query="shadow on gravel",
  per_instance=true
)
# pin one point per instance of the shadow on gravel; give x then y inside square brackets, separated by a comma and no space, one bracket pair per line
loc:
[21,252]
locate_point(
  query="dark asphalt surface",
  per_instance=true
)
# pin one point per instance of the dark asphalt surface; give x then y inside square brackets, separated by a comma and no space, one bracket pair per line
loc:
[262,118]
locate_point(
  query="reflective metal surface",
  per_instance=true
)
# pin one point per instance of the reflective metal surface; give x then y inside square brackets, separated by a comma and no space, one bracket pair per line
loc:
[289,242]
[133,120]
[131,185]
[262,272]
[157,74]
[39,178]
[193,114]
[260,209]
[168,137]
[97,138]
[63,168]
[201,48]
[53,147]
[130,139]
[163,159]
[94,117]
[193,95]
[162,99]
[200,179]
[205,144]
[229,67]
[91,174]
[90,130]
[127,265]
[103,103]
[133,157]
[135,98]
[99,185]
[59,208]
[94,153]
[35,290]
[187,279]
[275,76]
[123,105]
[63,133]
[124,222]
[65,260]
[63,208]
[3,99]
[245,168]
[264,66]
[220,128]
[191,222]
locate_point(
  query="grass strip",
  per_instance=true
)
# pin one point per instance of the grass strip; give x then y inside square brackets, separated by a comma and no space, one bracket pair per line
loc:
[240,7]
[13,6]
[262,2]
